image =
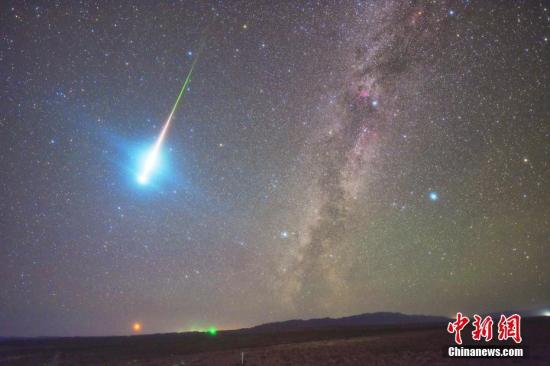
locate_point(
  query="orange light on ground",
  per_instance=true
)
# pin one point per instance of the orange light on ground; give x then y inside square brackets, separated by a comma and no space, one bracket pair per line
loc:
[136,327]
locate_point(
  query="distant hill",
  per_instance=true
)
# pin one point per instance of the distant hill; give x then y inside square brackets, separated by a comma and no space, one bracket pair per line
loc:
[381,318]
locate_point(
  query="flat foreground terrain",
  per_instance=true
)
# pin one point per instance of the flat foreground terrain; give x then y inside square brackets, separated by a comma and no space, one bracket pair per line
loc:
[389,345]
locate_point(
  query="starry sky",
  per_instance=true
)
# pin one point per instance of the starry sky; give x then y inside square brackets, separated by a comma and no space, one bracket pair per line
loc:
[328,159]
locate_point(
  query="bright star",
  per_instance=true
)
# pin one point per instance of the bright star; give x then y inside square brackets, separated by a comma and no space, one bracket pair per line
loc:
[434,196]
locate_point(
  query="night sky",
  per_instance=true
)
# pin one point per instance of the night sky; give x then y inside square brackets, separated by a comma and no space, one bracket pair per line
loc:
[328,159]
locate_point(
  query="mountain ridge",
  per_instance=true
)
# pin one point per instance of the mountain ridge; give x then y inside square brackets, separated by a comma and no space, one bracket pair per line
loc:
[376,318]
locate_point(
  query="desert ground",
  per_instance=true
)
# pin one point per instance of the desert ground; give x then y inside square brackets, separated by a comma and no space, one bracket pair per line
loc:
[380,345]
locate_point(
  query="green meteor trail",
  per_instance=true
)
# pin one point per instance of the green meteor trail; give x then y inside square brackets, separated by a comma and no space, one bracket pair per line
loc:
[152,156]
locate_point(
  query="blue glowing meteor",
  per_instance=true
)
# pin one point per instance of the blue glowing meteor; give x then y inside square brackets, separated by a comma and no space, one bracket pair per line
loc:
[151,161]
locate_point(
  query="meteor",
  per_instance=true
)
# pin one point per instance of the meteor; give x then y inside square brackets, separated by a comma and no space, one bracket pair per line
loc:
[153,155]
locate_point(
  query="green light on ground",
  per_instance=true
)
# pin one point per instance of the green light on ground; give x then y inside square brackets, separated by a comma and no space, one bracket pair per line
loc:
[212,331]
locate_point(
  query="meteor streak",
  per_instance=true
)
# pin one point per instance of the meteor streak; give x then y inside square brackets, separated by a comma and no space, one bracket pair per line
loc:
[153,155]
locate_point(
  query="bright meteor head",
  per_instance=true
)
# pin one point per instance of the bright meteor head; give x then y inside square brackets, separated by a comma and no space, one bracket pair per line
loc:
[151,161]
[143,179]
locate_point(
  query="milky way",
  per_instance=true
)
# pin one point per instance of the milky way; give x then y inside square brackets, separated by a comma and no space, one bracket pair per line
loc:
[333,159]
[392,41]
